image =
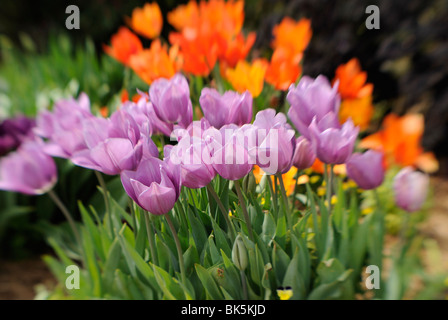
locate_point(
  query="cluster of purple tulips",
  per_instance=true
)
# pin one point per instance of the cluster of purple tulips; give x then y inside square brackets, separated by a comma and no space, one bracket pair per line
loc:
[224,142]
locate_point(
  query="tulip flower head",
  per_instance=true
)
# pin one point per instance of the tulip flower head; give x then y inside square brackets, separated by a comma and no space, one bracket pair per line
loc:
[28,170]
[154,185]
[366,169]
[231,107]
[14,131]
[304,155]
[411,189]
[312,98]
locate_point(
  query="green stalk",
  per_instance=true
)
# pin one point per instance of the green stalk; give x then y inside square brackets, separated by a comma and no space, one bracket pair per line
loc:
[244,208]
[243,282]
[285,201]
[273,195]
[329,186]
[106,200]
[150,233]
[179,248]
[67,215]
[215,196]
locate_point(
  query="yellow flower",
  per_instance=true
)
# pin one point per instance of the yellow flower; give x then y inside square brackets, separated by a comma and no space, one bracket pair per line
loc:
[263,201]
[314,179]
[367,211]
[247,76]
[321,191]
[284,293]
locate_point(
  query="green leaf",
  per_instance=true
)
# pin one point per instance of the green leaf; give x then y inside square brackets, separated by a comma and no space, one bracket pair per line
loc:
[209,283]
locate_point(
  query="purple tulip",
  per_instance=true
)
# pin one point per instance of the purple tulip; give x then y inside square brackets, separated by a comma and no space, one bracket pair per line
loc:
[275,142]
[229,154]
[14,131]
[64,126]
[333,145]
[411,188]
[113,145]
[171,100]
[28,170]
[154,185]
[304,155]
[366,169]
[312,99]
[231,107]
[195,160]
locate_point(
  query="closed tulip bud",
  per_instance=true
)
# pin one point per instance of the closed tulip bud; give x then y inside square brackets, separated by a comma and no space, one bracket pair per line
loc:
[28,170]
[154,185]
[411,188]
[239,254]
[171,100]
[312,98]
[333,145]
[304,155]
[229,108]
[366,169]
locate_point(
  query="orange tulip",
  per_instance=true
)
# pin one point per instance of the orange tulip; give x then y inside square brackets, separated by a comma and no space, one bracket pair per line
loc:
[147,21]
[289,178]
[292,35]
[237,49]
[124,44]
[283,69]
[352,81]
[359,110]
[155,62]
[186,15]
[247,76]
[399,140]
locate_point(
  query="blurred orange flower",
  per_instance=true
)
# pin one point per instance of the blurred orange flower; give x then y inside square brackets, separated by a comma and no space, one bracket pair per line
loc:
[359,110]
[292,35]
[283,69]
[352,81]
[246,76]
[399,140]
[147,21]
[124,44]
[289,178]
[318,166]
[208,31]
[156,62]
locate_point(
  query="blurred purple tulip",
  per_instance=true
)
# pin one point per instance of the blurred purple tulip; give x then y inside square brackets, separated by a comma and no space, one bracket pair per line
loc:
[333,145]
[171,100]
[275,142]
[154,185]
[366,169]
[195,129]
[231,107]
[411,189]
[229,154]
[304,155]
[114,145]
[63,127]
[28,170]
[14,131]
[195,160]
[312,98]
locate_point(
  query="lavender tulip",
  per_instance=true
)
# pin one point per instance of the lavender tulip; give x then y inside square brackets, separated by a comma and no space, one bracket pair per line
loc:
[366,169]
[171,100]
[312,99]
[231,107]
[195,160]
[275,142]
[28,170]
[411,188]
[229,155]
[14,131]
[304,155]
[64,126]
[333,145]
[154,185]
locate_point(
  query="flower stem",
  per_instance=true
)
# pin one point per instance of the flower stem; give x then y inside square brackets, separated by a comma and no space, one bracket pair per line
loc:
[273,195]
[106,200]
[244,208]
[329,186]
[150,233]
[179,248]
[67,215]
[285,201]
[243,282]
[215,196]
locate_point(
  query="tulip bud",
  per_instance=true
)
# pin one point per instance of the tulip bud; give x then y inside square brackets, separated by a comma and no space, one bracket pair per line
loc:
[411,189]
[366,169]
[239,254]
